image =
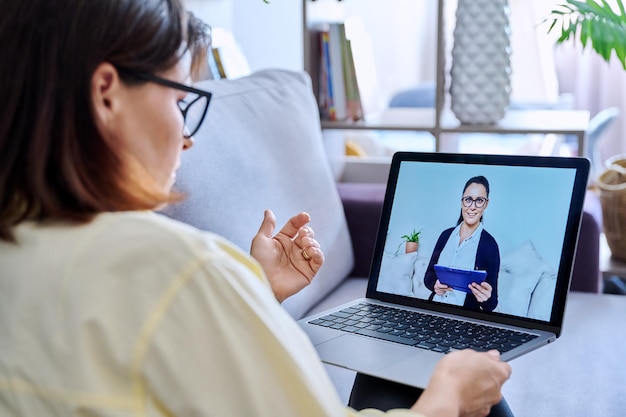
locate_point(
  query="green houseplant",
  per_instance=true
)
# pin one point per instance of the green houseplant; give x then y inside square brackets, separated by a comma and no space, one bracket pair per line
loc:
[604,27]
[411,241]
[592,22]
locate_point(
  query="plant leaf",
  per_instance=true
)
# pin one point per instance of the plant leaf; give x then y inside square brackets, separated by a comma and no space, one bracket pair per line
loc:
[594,22]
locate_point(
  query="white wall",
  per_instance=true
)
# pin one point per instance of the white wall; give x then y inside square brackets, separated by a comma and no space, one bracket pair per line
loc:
[217,13]
[270,35]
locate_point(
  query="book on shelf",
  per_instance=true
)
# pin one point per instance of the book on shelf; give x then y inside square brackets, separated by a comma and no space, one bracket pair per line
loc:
[215,63]
[364,66]
[325,88]
[214,72]
[341,78]
[353,96]
[229,60]
[336,42]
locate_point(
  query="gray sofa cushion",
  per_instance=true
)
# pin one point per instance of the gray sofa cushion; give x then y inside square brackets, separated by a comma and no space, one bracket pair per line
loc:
[261,147]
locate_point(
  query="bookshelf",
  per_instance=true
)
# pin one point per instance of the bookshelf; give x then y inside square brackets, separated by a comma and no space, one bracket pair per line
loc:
[439,121]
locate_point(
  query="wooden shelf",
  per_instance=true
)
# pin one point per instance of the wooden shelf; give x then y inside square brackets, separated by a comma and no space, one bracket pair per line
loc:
[440,120]
[566,122]
[417,119]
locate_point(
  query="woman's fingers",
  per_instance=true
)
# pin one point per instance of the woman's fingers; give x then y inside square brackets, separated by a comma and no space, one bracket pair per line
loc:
[481,291]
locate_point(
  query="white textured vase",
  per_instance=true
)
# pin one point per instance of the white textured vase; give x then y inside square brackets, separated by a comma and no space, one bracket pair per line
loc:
[480,85]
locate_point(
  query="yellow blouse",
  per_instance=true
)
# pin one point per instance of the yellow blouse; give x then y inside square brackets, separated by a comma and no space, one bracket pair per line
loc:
[134,314]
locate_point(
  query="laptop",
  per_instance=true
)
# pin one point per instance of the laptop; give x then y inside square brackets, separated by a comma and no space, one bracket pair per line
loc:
[523,242]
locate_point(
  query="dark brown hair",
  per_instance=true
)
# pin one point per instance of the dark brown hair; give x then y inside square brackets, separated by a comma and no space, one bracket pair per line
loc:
[53,162]
[480,180]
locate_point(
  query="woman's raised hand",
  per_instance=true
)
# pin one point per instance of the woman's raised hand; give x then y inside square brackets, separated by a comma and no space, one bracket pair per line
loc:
[291,258]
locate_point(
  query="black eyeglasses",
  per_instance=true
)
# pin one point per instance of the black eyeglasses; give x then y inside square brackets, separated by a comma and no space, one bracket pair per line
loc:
[480,201]
[197,99]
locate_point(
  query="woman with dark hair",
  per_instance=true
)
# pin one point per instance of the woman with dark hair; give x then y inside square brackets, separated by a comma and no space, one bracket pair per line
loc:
[107,308]
[468,246]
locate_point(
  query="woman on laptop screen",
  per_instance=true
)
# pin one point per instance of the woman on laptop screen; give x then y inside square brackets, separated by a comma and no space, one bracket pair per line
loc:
[463,269]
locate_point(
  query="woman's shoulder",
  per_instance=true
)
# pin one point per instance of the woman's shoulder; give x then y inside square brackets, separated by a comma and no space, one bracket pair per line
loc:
[145,232]
[446,233]
[147,244]
[151,226]
[488,238]
[486,235]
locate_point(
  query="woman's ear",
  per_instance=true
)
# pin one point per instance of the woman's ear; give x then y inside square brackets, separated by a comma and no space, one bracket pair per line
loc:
[105,93]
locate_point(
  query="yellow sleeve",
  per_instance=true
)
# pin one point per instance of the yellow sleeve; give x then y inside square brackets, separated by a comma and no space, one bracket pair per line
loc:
[219,343]
[222,345]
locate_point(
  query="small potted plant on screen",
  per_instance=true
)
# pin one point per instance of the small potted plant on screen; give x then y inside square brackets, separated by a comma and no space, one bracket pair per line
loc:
[412,241]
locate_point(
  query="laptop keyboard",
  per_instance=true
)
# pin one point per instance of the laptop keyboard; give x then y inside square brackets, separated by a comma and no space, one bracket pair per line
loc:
[439,334]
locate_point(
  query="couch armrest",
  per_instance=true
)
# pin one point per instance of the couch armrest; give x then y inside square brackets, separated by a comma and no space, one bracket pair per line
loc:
[586,275]
[362,204]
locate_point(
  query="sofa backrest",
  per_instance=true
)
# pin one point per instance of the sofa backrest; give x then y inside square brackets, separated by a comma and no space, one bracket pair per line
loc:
[260,147]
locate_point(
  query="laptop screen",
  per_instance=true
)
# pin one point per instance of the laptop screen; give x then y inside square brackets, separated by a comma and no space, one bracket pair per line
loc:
[482,233]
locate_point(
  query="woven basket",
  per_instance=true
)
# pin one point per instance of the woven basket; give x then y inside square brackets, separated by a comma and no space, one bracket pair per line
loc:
[611,185]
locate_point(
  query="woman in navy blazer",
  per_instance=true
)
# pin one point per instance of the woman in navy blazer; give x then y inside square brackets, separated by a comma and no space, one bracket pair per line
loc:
[468,245]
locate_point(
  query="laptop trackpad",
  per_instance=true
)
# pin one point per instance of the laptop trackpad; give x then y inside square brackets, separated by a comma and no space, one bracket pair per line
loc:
[380,358]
